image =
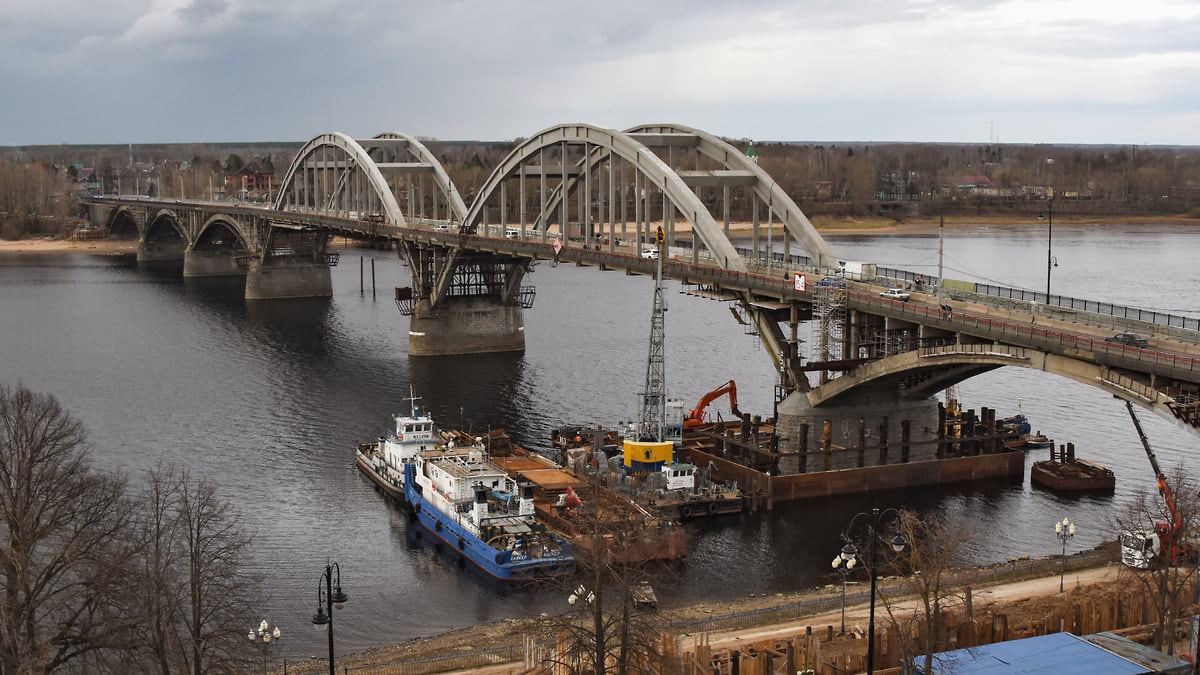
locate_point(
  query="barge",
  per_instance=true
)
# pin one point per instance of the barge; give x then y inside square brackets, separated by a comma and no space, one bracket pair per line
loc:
[1064,472]
[479,511]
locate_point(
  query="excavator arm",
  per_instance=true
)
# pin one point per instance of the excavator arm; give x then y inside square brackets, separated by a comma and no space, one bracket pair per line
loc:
[695,416]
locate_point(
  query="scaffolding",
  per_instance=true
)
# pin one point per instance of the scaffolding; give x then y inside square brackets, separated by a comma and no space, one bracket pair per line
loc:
[829,326]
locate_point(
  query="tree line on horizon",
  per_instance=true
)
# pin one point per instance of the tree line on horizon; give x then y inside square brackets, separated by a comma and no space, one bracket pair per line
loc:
[38,185]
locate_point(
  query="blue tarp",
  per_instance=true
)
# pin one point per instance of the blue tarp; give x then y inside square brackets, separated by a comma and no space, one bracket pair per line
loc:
[1058,653]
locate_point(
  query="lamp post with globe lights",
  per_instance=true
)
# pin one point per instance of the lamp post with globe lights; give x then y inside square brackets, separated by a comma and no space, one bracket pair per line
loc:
[328,597]
[844,563]
[874,524]
[263,636]
[1064,531]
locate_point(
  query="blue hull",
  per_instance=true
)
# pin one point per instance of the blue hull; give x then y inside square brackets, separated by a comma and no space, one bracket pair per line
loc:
[501,564]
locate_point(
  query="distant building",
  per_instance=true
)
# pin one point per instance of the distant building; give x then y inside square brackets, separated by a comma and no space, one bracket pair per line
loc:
[752,152]
[248,182]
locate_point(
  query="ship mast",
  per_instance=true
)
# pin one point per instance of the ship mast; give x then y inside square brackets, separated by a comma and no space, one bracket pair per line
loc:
[653,421]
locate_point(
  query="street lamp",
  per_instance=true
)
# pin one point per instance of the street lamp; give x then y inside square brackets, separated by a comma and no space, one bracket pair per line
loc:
[844,563]
[1051,261]
[1064,531]
[263,635]
[327,598]
[874,525]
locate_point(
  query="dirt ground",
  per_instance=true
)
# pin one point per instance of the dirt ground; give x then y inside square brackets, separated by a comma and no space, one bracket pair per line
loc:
[1032,598]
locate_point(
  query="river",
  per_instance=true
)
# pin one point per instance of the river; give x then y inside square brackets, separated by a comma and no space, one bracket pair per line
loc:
[269,400]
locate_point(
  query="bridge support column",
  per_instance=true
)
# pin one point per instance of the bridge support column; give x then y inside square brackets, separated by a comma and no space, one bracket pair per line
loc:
[804,428]
[466,325]
[211,264]
[288,278]
[159,252]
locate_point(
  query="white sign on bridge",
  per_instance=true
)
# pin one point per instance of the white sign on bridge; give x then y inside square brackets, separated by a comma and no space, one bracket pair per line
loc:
[800,283]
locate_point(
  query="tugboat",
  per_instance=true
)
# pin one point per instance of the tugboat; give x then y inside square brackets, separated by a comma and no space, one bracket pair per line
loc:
[383,461]
[479,511]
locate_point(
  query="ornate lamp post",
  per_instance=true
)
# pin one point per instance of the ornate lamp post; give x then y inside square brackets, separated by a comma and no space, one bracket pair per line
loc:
[874,522]
[263,635]
[844,562]
[1064,531]
[328,597]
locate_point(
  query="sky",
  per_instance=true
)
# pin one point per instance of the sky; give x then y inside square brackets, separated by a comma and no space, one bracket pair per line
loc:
[966,71]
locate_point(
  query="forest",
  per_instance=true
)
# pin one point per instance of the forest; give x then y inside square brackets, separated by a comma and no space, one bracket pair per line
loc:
[39,185]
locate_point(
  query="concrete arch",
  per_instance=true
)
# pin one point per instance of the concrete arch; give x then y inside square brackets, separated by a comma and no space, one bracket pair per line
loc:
[637,155]
[170,218]
[440,178]
[919,374]
[221,220]
[358,159]
[119,214]
[765,187]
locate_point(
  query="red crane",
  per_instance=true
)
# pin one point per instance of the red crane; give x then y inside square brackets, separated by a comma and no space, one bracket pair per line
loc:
[1167,532]
[696,416]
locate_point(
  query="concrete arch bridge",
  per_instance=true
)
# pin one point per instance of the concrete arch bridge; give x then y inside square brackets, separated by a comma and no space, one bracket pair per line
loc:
[595,196]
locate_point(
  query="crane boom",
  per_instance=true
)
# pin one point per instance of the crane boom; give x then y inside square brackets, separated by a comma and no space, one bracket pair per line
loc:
[1169,529]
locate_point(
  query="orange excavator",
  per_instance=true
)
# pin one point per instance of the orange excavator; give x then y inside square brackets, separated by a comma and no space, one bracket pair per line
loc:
[696,416]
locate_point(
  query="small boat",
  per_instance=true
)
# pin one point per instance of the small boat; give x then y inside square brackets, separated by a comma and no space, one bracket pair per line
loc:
[681,497]
[477,509]
[1064,472]
[383,460]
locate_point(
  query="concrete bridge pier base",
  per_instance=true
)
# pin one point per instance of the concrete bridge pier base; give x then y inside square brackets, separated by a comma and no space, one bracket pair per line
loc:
[466,325]
[293,278]
[151,252]
[873,429]
[211,264]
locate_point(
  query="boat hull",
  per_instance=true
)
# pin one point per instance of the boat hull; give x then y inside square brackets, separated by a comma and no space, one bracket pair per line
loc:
[503,565]
[1072,476]
[393,489]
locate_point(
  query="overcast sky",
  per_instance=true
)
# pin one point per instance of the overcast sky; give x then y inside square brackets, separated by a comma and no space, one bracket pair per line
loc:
[977,71]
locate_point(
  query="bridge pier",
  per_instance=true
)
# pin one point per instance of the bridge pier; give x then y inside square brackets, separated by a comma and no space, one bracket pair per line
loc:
[875,428]
[466,325]
[288,278]
[170,251]
[198,263]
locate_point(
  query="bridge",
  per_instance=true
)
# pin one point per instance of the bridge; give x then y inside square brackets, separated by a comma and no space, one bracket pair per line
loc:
[592,196]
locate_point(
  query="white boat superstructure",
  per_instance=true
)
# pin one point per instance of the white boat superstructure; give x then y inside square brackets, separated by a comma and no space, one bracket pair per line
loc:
[472,490]
[385,458]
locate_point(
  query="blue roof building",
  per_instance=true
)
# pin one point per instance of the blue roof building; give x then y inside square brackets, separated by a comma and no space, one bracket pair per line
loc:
[1060,654]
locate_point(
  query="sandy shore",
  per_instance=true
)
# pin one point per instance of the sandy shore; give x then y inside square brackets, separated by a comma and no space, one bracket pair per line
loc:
[50,245]
[825,226]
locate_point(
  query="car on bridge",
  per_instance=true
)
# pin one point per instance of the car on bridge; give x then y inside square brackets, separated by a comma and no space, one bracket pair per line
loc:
[650,253]
[895,294]
[832,282]
[1129,339]
[441,227]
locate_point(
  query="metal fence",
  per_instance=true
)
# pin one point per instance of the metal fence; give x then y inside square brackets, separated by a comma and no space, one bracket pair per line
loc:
[1092,306]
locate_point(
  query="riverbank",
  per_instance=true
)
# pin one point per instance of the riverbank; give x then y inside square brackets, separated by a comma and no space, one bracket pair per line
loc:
[1025,595]
[824,225]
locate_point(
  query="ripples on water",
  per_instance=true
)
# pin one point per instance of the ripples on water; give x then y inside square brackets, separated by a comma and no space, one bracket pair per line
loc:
[269,399]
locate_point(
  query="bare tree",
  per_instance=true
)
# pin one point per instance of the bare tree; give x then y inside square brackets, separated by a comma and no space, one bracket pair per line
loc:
[605,631]
[932,544]
[1167,583]
[198,586]
[64,556]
